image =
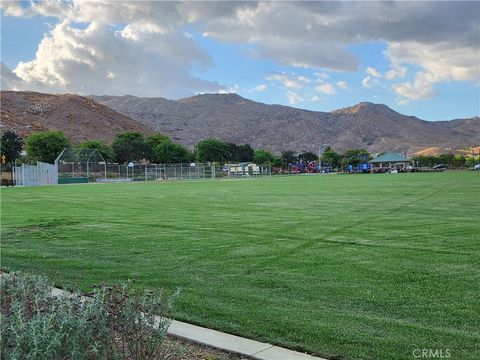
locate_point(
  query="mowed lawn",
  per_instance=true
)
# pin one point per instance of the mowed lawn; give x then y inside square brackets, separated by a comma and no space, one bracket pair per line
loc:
[360,266]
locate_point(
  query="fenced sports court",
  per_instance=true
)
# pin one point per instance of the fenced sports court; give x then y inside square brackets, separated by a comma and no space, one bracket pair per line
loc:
[88,165]
[103,172]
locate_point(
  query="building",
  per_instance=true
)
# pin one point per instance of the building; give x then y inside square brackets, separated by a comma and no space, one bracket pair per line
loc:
[390,160]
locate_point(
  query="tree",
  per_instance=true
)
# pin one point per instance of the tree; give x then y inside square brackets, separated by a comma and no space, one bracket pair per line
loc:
[104,149]
[213,150]
[233,153]
[169,152]
[307,156]
[288,157]
[356,156]
[152,141]
[446,159]
[12,145]
[330,157]
[425,160]
[459,161]
[277,162]
[239,153]
[245,152]
[263,157]
[156,139]
[46,146]
[130,146]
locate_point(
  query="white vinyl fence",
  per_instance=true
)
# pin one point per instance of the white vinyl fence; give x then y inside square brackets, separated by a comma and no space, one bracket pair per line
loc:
[34,175]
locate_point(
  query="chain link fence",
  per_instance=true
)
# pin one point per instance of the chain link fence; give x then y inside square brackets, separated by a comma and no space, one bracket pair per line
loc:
[102,172]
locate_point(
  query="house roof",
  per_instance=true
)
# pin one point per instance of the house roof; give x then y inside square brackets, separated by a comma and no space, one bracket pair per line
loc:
[389,157]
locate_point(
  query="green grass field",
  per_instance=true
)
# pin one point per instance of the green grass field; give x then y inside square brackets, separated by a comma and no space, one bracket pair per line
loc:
[362,266]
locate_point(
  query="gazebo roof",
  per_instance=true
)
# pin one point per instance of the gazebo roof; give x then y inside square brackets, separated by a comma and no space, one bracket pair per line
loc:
[389,157]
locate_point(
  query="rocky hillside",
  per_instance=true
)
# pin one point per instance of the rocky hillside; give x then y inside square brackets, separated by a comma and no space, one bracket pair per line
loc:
[79,117]
[233,118]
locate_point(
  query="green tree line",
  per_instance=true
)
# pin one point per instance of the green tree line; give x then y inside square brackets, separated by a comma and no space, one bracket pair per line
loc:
[158,148]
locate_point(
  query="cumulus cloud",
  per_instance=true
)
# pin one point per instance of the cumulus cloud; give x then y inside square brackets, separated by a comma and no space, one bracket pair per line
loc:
[370,82]
[95,60]
[257,89]
[287,80]
[316,33]
[439,62]
[321,76]
[293,98]
[230,90]
[395,73]
[145,57]
[326,88]
[144,47]
[343,85]
[304,79]
[373,72]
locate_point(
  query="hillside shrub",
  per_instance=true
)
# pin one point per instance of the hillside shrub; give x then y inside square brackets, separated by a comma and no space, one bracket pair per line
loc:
[113,323]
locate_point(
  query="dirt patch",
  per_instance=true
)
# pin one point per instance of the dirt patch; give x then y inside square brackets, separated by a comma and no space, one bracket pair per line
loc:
[186,350]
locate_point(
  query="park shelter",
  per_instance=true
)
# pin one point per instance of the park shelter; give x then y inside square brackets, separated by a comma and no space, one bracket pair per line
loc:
[390,159]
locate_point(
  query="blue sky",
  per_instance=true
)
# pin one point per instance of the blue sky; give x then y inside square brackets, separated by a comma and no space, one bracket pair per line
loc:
[316,56]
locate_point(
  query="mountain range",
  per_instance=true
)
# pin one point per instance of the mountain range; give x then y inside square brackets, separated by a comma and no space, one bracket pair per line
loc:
[79,117]
[233,118]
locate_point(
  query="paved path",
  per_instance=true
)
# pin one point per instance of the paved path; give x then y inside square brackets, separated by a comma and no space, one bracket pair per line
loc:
[236,344]
[227,342]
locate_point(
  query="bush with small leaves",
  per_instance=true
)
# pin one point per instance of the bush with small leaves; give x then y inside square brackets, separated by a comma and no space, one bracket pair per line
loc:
[113,323]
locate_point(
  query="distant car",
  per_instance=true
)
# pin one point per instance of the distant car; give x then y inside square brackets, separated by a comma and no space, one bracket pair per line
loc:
[440,167]
[476,167]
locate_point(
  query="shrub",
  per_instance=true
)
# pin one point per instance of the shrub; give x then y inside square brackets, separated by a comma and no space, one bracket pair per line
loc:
[113,323]
[7,182]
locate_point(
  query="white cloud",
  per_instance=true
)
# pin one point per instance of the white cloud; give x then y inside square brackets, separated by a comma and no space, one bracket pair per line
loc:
[326,88]
[439,62]
[373,72]
[152,55]
[260,88]
[293,98]
[322,76]
[420,88]
[343,85]
[12,8]
[287,80]
[304,79]
[369,82]
[398,72]
[257,89]
[231,90]
[141,61]
[315,98]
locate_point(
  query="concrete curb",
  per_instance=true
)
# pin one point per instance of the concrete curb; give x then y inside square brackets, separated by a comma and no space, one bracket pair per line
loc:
[235,344]
[226,342]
